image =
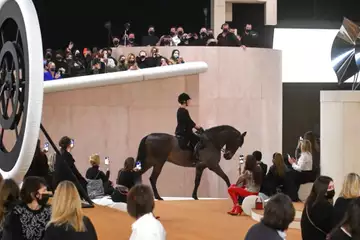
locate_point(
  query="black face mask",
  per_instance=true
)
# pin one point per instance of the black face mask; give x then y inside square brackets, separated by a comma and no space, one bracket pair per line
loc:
[203,34]
[180,33]
[44,199]
[52,69]
[330,194]
[131,61]
[225,30]
[151,32]
[172,34]
[211,35]
[142,57]
[116,43]
[131,40]
[122,60]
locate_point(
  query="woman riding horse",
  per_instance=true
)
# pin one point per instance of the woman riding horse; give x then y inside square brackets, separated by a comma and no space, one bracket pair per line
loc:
[185,125]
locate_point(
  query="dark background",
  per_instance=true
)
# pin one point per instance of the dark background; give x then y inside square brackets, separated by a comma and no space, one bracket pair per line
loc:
[83,22]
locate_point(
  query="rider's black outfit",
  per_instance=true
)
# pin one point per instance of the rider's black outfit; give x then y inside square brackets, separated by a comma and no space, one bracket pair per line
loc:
[184,128]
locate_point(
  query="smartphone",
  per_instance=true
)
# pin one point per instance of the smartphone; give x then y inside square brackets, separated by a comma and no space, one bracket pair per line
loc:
[301,138]
[107,161]
[241,159]
[72,143]
[46,147]
[289,157]
[138,165]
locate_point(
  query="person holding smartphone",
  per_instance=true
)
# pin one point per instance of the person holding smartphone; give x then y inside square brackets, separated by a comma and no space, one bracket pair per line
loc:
[94,173]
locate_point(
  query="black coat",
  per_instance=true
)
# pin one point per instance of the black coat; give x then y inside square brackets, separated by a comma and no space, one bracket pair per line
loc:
[260,231]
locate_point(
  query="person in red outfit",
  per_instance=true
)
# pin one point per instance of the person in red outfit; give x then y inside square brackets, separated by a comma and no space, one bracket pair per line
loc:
[248,183]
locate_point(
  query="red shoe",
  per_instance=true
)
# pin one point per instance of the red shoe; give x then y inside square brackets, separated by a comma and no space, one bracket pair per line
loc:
[232,210]
[238,210]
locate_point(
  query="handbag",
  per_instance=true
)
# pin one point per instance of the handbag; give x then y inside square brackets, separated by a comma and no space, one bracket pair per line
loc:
[313,224]
[259,204]
[95,187]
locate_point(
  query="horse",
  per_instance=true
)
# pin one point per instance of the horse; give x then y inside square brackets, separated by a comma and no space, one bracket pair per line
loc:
[157,148]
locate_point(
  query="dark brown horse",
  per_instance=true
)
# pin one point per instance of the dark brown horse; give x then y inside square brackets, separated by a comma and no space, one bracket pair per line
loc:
[157,148]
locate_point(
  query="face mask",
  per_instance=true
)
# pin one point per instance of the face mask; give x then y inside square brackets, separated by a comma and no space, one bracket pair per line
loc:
[172,34]
[131,39]
[142,57]
[176,55]
[52,69]
[180,33]
[109,54]
[116,43]
[151,32]
[203,34]
[58,58]
[122,60]
[225,30]
[131,61]
[330,194]
[44,199]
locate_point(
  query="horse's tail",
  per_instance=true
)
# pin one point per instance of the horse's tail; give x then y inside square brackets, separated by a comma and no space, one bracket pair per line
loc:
[141,156]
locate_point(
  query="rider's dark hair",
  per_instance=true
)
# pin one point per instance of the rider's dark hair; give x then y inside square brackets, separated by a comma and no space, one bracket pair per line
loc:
[140,201]
[257,155]
[279,212]
[252,166]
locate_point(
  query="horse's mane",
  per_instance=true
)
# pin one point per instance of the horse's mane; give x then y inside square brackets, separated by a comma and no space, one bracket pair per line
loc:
[222,128]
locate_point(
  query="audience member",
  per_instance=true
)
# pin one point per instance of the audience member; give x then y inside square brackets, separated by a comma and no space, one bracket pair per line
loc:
[116,42]
[140,205]
[94,173]
[9,197]
[131,62]
[227,38]
[67,218]
[51,74]
[142,60]
[317,216]
[122,63]
[155,58]
[275,178]
[151,39]
[315,151]
[249,37]
[129,175]
[258,157]
[350,190]
[66,146]
[278,214]
[27,220]
[39,166]
[131,40]
[248,184]
[176,58]
[349,227]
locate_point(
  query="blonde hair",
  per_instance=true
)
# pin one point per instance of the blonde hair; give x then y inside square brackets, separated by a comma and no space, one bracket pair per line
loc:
[94,159]
[351,186]
[66,207]
[279,164]
[306,146]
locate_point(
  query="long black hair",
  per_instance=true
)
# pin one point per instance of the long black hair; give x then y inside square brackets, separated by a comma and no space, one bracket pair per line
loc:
[318,191]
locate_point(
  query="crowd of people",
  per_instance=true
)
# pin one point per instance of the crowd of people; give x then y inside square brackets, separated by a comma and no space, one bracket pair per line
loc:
[73,62]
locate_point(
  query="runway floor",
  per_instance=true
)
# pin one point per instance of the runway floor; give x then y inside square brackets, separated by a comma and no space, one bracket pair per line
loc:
[190,220]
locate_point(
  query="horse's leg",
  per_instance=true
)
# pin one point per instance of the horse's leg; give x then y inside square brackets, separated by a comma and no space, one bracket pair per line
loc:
[153,178]
[217,169]
[199,171]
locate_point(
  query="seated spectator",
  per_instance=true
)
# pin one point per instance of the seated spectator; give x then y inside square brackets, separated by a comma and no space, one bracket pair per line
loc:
[97,66]
[49,55]
[77,65]
[131,62]
[65,150]
[176,58]
[67,218]
[39,166]
[163,62]
[350,190]
[116,42]
[202,40]
[61,64]
[140,205]
[248,184]
[258,157]
[279,212]
[155,58]
[250,38]
[302,168]
[315,151]
[129,175]
[151,39]
[9,197]
[275,178]
[142,60]
[131,40]
[94,173]
[349,227]
[317,216]
[122,63]
[227,38]
[110,65]
[165,40]
[109,56]
[51,74]
[27,220]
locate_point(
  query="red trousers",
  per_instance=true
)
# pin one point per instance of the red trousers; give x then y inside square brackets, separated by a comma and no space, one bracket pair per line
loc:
[235,192]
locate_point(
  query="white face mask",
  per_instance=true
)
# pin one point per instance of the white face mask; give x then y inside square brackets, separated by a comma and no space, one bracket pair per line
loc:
[176,55]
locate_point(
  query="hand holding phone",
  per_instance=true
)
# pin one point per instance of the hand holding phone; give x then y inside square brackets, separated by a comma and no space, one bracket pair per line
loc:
[241,160]
[72,143]
[138,165]
[107,161]
[46,147]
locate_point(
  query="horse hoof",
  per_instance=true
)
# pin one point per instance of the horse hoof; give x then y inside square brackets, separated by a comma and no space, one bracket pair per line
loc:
[159,199]
[195,197]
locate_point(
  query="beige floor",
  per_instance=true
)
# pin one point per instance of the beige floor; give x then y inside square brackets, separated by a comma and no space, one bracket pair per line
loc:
[185,220]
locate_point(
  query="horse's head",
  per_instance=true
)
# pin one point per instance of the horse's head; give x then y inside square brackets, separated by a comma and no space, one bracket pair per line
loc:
[233,144]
